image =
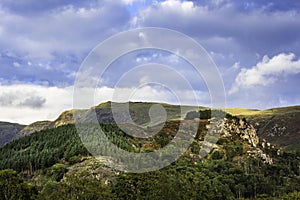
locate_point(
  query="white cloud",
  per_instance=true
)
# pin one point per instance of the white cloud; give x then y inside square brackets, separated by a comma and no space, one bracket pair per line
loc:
[25,104]
[16,64]
[48,37]
[62,30]
[225,28]
[177,6]
[130,2]
[266,72]
[28,103]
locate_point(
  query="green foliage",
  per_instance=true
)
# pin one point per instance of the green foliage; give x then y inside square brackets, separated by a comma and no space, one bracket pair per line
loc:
[195,148]
[292,195]
[74,159]
[57,171]
[175,182]
[211,179]
[42,149]
[233,149]
[217,155]
[77,189]
[192,115]
[208,114]
[227,173]
[13,187]
[205,114]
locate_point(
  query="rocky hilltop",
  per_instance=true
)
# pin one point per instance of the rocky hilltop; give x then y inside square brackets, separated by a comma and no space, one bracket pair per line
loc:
[139,112]
[226,160]
[248,133]
[232,129]
[279,126]
[65,118]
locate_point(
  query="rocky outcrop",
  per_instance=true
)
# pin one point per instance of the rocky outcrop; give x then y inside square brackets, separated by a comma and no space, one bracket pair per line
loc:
[91,168]
[35,127]
[258,153]
[230,128]
[240,127]
[247,132]
[64,119]
[279,126]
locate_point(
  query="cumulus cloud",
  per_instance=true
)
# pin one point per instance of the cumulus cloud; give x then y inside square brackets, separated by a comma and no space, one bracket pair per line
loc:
[49,42]
[266,72]
[224,27]
[32,7]
[130,2]
[23,103]
[33,102]
[21,99]
[65,30]
[28,103]
[44,43]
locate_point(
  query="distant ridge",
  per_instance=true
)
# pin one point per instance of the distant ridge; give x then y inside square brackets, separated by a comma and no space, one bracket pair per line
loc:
[9,132]
[138,110]
[280,126]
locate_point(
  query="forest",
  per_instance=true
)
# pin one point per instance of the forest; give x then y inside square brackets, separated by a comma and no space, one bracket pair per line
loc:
[43,166]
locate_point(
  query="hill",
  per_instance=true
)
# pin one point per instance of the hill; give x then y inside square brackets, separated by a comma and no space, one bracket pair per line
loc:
[280,126]
[9,132]
[139,112]
[239,165]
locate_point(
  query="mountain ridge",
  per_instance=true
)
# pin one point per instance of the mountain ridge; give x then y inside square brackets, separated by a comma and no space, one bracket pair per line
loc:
[279,126]
[237,164]
[9,131]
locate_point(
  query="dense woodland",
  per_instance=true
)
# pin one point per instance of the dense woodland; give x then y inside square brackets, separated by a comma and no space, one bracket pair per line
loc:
[33,167]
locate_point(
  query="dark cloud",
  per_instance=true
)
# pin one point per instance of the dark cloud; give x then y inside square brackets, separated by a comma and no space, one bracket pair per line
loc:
[21,99]
[227,29]
[44,42]
[50,48]
[33,102]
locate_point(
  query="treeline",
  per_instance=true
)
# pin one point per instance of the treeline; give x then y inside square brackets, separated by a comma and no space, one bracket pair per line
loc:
[12,186]
[212,179]
[226,173]
[208,114]
[184,179]
[45,148]
[42,149]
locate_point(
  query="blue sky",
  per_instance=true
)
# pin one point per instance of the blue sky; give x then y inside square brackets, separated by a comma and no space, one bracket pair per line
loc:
[254,43]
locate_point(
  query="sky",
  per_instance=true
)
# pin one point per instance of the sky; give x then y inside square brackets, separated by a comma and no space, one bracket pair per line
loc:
[255,45]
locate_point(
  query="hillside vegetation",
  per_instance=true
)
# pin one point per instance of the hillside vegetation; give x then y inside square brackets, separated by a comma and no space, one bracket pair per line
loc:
[280,126]
[55,165]
[139,112]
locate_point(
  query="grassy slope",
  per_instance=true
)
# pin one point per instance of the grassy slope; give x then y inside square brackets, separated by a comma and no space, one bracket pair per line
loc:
[280,126]
[190,177]
[139,113]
